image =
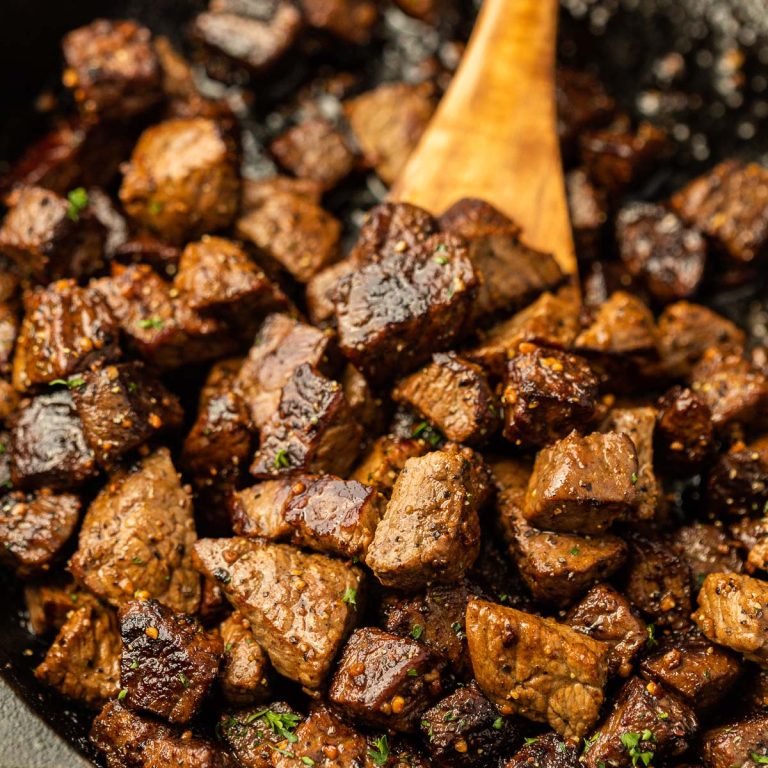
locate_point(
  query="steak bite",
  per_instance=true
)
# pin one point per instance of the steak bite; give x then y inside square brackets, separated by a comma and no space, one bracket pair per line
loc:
[430,532]
[381,466]
[707,549]
[743,743]
[300,621]
[737,484]
[454,395]
[545,751]
[471,217]
[684,436]
[50,603]
[385,680]
[34,528]
[258,511]
[137,535]
[582,484]
[646,719]
[537,668]
[66,329]
[547,394]
[182,180]
[392,314]
[244,674]
[386,225]
[168,663]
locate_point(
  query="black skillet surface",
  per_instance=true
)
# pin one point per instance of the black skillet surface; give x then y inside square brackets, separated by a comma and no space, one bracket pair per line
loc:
[676,66]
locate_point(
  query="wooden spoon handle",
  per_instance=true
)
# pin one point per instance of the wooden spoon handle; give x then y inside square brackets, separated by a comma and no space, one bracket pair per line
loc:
[494,135]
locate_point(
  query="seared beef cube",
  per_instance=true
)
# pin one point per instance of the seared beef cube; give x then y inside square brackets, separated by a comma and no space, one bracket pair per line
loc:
[48,446]
[659,583]
[255,191]
[34,528]
[298,234]
[84,661]
[121,407]
[752,535]
[258,511]
[367,408]
[537,668]
[454,395]
[581,103]
[313,429]
[732,612]
[545,751]
[588,207]
[66,329]
[583,484]
[387,225]
[253,734]
[350,20]
[385,460]
[658,248]
[137,535]
[388,123]
[465,729]
[616,159]
[430,532]
[686,331]
[471,217]
[547,394]
[684,436]
[706,549]
[281,346]
[48,237]
[741,743]
[49,604]
[321,291]
[244,675]
[606,615]
[184,751]
[738,482]
[393,314]
[182,180]
[385,680]
[316,150]
[645,719]
[299,620]
[169,663]
[729,204]
[692,667]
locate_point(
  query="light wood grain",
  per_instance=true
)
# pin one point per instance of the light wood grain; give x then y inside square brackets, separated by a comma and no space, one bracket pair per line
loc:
[494,135]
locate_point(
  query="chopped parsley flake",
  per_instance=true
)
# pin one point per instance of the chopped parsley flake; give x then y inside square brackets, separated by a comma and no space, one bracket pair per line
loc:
[350,597]
[379,752]
[760,759]
[634,478]
[651,630]
[307,760]
[151,322]
[498,723]
[281,723]
[135,664]
[183,679]
[282,460]
[531,740]
[575,551]
[413,672]
[123,693]
[631,741]
[71,383]
[417,631]
[441,260]
[78,202]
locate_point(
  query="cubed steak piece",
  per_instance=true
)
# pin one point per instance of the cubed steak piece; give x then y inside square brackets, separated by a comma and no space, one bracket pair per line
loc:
[49,604]
[707,549]
[84,661]
[471,217]
[255,191]
[744,743]
[386,225]
[606,615]
[385,680]
[588,206]
[321,291]
[299,620]
[385,460]
[258,511]
[137,535]
[537,668]
[66,329]
[392,314]
[583,484]
[34,528]
[684,435]
[646,720]
[244,674]
[454,395]
[737,483]
[430,532]
[182,180]
[367,407]
[168,663]
[545,751]
[547,394]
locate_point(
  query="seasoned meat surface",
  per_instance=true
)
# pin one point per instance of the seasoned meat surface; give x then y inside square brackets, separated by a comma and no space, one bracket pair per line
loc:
[244,673]
[742,743]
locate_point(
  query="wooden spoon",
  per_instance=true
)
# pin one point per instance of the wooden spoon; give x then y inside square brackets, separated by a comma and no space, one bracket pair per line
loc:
[494,135]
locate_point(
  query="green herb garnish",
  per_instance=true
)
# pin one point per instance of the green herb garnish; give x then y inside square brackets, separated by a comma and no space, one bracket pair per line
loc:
[282,460]
[632,740]
[78,202]
[379,752]
[350,597]
[417,631]
[151,322]
[71,383]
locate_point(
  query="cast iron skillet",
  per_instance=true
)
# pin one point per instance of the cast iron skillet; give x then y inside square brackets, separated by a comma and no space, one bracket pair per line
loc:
[627,50]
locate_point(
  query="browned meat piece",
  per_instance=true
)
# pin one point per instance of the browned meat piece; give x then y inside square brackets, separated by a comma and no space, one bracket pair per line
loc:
[706,549]
[367,408]
[386,225]
[49,237]
[48,447]
[9,400]
[258,511]
[137,535]
[684,436]
[321,290]
[471,217]
[313,429]
[350,20]
[244,675]
[50,603]
[728,204]
[144,248]
[547,394]
[732,612]
[454,395]
[757,558]
[581,103]
[84,661]
[606,615]
[121,407]
[692,667]
[741,743]
[583,484]
[313,611]
[659,583]
[255,191]
[430,532]
[546,751]
[293,231]
[184,751]
[168,663]
[588,206]
[282,345]
[537,668]
[465,729]
[393,314]
[645,719]
[111,68]
[385,460]
[385,680]
[34,528]
[388,123]
[738,482]
[182,180]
